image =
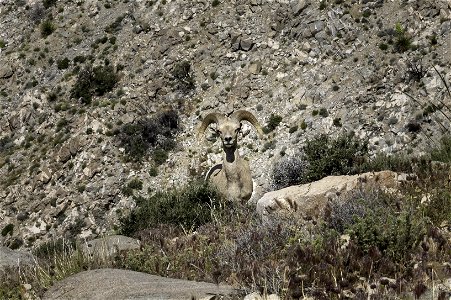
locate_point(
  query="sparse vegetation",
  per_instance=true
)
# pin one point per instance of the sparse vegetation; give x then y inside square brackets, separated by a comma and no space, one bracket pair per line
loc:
[94,82]
[63,63]
[403,41]
[273,122]
[47,28]
[181,73]
[150,135]
[189,206]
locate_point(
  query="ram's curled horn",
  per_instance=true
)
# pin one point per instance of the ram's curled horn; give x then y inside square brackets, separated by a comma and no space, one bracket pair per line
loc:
[210,118]
[241,115]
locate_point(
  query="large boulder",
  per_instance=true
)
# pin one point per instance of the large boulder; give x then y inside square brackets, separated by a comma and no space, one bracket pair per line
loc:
[309,200]
[14,258]
[125,284]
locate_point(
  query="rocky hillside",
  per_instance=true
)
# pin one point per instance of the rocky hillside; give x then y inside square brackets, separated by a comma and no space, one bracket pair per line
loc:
[100,98]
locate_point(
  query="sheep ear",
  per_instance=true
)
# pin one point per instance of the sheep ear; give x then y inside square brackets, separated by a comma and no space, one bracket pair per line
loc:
[244,115]
[210,118]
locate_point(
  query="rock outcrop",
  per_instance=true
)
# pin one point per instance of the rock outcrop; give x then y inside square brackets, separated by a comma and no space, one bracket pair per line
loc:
[309,200]
[122,284]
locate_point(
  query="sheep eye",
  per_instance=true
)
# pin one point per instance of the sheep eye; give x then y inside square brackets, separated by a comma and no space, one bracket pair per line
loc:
[218,132]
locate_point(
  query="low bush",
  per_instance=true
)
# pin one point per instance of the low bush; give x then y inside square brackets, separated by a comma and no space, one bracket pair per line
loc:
[340,156]
[288,171]
[189,206]
[182,75]
[150,135]
[47,28]
[94,82]
[273,122]
[442,153]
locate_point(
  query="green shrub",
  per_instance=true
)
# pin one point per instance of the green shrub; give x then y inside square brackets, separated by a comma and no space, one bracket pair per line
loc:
[2,44]
[443,152]
[215,3]
[48,3]
[149,135]
[116,26]
[274,121]
[8,229]
[134,184]
[189,206]
[323,112]
[394,233]
[403,41]
[6,143]
[181,73]
[63,63]
[159,156]
[94,81]
[47,28]
[333,157]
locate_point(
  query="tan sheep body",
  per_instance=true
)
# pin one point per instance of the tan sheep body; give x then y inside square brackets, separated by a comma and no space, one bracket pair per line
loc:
[233,177]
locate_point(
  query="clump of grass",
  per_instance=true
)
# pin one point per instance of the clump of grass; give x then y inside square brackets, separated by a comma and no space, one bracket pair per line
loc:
[47,28]
[403,41]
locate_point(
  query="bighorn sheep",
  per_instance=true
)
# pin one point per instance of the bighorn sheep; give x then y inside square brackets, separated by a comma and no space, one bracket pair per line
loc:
[233,177]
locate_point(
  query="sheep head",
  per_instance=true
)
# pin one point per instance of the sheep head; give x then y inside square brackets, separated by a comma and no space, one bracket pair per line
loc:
[228,127]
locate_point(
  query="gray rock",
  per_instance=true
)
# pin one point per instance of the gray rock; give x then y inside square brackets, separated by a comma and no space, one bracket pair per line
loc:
[109,245]
[309,200]
[124,284]
[246,44]
[6,71]
[13,258]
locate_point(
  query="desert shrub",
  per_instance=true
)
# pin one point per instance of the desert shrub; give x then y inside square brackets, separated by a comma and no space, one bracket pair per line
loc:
[116,26]
[134,184]
[189,206]
[340,156]
[273,122]
[288,171]
[37,13]
[403,41]
[392,232]
[150,135]
[6,143]
[8,229]
[47,28]
[62,63]
[382,161]
[443,151]
[94,81]
[181,74]
[48,3]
